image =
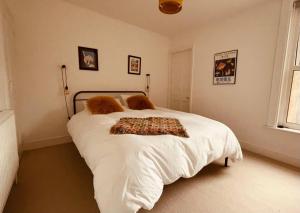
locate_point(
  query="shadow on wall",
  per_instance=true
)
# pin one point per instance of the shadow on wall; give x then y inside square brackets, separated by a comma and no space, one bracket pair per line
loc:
[54,123]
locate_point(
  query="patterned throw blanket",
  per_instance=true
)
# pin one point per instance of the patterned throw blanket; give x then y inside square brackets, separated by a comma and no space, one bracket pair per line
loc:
[149,126]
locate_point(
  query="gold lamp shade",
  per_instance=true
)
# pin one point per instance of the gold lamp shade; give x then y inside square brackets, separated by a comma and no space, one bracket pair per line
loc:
[170,6]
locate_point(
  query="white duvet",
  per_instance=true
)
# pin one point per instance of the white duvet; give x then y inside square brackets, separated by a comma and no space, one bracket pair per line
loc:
[131,170]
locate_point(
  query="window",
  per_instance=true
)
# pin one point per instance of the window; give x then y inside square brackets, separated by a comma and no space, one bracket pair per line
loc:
[290,101]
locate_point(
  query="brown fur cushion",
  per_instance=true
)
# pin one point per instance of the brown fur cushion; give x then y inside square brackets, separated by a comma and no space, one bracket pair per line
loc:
[139,102]
[103,105]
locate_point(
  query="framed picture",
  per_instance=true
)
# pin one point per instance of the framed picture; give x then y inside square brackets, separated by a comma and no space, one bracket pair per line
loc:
[134,65]
[88,59]
[225,66]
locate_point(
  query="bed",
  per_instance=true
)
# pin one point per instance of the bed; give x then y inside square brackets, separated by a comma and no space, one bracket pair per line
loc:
[129,170]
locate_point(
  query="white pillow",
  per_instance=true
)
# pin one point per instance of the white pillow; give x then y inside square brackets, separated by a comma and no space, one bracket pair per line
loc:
[124,98]
[119,100]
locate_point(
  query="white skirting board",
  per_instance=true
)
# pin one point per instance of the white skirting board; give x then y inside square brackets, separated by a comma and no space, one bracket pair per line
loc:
[247,146]
[271,154]
[46,143]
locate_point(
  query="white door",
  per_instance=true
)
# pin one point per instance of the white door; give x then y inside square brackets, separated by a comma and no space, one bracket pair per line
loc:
[181,73]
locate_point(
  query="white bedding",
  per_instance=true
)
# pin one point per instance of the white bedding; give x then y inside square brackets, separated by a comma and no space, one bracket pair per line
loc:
[131,170]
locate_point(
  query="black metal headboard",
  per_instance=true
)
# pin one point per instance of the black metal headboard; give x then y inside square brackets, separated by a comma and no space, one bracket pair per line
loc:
[75,99]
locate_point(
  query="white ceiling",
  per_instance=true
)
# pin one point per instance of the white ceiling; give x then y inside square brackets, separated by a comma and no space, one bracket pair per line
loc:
[145,13]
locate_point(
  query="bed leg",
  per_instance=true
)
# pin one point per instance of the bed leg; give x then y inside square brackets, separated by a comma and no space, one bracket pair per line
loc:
[226,162]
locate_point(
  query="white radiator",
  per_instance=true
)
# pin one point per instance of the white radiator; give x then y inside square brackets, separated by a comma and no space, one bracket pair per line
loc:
[9,159]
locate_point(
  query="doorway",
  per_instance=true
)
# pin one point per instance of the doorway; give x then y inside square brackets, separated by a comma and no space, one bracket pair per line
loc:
[180,80]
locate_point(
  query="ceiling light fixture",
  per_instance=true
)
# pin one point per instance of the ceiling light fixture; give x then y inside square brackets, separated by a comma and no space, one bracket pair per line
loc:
[170,6]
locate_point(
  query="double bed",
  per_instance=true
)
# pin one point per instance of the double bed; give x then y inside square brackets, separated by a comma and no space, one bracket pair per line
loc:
[130,170]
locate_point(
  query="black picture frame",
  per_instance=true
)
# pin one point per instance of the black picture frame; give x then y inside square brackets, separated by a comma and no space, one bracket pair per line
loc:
[225,67]
[134,69]
[91,62]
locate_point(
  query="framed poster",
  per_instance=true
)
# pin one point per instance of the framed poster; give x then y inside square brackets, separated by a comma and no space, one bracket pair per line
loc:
[88,58]
[225,66]
[134,65]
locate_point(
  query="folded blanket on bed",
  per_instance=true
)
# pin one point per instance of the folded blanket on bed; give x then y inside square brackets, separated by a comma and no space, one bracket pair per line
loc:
[149,126]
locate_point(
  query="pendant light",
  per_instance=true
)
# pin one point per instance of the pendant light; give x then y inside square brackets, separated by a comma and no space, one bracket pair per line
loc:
[170,6]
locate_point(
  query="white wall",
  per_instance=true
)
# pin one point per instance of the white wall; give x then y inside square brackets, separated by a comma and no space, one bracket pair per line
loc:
[48,33]
[244,106]
[6,54]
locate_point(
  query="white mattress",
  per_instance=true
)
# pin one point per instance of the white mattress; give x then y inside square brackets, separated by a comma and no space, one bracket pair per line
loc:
[131,170]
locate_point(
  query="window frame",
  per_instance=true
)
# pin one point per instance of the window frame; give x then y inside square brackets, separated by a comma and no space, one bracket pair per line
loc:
[290,67]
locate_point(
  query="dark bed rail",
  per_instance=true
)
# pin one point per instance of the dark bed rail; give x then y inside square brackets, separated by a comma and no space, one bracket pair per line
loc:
[75,99]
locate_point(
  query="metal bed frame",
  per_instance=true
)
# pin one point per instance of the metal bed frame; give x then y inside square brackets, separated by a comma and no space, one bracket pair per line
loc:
[75,100]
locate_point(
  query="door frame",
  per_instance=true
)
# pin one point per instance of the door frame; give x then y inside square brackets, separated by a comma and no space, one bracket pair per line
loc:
[192,49]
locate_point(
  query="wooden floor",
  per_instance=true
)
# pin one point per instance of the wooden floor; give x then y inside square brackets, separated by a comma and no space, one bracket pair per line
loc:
[57,180]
